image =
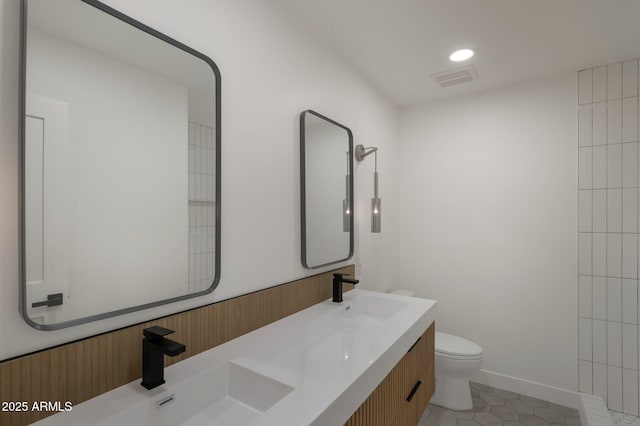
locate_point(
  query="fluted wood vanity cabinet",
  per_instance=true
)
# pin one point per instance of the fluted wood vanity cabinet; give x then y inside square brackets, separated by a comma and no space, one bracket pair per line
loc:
[387,404]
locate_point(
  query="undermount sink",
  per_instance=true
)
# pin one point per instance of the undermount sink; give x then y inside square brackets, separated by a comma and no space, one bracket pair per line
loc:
[372,308]
[228,395]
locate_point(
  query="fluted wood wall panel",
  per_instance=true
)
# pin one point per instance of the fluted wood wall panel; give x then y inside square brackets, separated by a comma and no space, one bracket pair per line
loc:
[422,368]
[81,370]
[387,404]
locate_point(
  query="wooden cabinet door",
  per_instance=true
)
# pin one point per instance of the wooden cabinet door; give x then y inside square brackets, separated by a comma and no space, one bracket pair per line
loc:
[382,406]
[422,380]
[388,404]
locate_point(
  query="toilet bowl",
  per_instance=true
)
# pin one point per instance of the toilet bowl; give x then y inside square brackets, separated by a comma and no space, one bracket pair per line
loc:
[456,360]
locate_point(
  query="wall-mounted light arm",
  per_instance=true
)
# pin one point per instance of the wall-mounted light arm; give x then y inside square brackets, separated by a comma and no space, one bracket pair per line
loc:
[361,152]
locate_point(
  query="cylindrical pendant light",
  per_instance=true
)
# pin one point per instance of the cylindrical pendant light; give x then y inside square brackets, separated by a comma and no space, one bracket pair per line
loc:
[376,203]
[346,208]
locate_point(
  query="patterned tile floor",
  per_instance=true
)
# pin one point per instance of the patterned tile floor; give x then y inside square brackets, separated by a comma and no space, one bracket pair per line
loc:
[497,407]
[625,419]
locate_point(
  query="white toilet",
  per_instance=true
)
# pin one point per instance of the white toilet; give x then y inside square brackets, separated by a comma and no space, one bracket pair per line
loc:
[457,359]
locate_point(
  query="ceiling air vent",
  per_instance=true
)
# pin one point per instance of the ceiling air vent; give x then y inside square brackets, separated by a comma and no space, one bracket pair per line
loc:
[456,76]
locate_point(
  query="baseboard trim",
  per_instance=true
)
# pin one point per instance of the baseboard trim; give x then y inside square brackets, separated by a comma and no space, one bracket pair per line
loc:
[527,387]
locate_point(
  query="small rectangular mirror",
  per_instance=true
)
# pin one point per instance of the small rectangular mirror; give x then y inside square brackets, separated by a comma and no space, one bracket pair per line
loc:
[326,183]
[120,146]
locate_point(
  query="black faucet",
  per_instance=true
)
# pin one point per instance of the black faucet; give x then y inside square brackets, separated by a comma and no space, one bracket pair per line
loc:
[338,279]
[154,348]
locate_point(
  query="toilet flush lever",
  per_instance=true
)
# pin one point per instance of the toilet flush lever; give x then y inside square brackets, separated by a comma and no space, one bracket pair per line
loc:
[52,300]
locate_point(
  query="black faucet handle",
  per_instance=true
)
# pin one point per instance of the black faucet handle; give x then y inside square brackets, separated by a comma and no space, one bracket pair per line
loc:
[156,332]
[340,276]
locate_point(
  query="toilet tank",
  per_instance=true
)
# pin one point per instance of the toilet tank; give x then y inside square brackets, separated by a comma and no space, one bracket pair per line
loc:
[403,292]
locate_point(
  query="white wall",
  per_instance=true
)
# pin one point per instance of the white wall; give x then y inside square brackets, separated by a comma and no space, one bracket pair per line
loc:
[271,71]
[487,225]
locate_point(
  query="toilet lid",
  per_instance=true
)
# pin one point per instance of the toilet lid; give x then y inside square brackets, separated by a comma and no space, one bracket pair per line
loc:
[454,345]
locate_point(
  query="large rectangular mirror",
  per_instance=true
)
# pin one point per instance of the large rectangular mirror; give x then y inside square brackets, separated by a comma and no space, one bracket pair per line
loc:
[120,146]
[326,183]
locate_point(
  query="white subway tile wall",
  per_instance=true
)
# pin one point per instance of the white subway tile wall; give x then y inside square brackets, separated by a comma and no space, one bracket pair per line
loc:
[608,234]
[599,375]
[586,376]
[614,388]
[630,391]
[599,297]
[599,173]
[202,199]
[600,84]
[599,123]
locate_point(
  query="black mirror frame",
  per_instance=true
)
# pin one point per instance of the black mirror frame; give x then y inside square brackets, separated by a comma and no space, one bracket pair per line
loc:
[303,210]
[21,135]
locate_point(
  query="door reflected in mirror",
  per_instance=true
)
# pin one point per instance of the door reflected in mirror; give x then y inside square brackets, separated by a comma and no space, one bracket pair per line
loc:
[326,165]
[120,172]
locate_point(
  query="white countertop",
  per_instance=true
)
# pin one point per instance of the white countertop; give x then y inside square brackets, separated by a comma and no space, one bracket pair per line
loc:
[333,355]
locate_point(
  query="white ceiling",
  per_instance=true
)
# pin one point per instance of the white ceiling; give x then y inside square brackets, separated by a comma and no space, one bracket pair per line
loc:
[398,44]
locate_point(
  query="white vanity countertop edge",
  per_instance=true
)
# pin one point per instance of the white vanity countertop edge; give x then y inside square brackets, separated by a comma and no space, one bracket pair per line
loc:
[344,405]
[281,350]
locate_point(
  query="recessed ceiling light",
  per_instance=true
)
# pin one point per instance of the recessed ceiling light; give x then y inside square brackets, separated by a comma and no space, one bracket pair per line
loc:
[461,55]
